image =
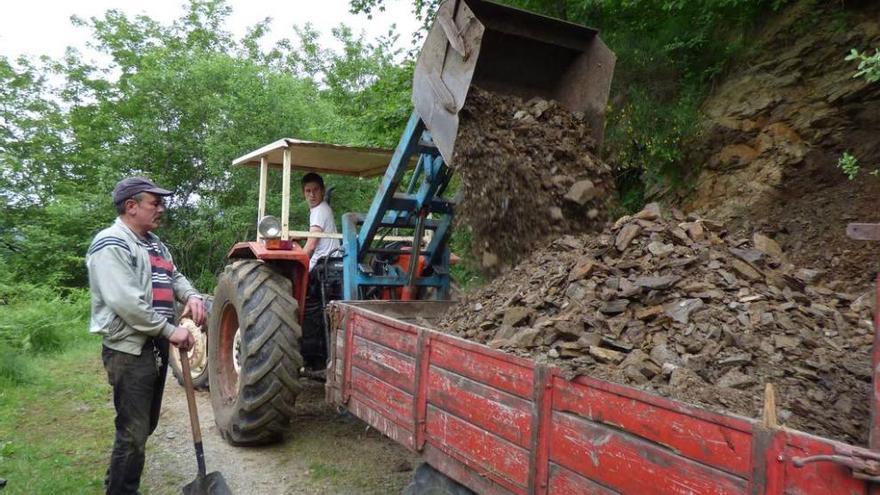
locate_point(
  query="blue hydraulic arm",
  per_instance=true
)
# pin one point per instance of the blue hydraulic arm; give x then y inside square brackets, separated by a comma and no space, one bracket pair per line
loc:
[418,208]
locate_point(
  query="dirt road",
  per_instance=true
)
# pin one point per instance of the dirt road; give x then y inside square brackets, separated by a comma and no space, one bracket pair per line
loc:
[326,453]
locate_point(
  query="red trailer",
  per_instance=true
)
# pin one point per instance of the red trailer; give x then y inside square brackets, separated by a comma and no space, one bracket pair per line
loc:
[497,423]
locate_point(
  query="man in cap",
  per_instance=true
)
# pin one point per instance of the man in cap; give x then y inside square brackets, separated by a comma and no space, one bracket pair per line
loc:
[133,284]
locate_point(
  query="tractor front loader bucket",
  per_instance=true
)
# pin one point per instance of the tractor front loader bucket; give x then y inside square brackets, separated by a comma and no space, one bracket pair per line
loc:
[507,51]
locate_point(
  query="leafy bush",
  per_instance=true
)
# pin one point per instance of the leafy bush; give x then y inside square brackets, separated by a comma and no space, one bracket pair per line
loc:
[645,140]
[31,322]
[849,165]
[869,65]
[36,320]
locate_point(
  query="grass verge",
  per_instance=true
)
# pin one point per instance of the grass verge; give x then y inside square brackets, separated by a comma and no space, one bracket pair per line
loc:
[56,429]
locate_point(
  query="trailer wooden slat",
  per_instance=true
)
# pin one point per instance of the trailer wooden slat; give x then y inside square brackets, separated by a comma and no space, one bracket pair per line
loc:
[497,373]
[384,363]
[506,415]
[489,454]
[566,481]
[374,331]
[370,414]
[632,465]
[392,402]
[703,441]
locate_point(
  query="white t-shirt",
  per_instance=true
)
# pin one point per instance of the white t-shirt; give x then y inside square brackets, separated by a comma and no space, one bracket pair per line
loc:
[322,216]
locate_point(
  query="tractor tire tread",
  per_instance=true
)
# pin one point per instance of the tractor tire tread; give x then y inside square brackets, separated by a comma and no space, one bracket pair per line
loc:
[270,353]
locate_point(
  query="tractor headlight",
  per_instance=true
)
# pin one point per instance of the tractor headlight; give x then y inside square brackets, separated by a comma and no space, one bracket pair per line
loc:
[269,227]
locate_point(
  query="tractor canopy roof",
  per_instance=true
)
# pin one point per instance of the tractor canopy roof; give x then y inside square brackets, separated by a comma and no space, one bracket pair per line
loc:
[323,158]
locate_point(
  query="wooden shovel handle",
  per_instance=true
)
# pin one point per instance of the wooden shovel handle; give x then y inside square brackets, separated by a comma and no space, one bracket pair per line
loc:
[193,412]
[190,396]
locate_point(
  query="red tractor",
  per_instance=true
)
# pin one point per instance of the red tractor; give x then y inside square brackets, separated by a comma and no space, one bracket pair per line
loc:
[266,326]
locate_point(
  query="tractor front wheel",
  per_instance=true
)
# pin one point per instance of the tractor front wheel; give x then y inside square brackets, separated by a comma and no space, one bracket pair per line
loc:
[198,360]
[198,355]
[253,353]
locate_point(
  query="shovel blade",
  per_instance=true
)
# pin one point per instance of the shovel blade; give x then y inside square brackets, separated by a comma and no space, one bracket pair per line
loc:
[212,484]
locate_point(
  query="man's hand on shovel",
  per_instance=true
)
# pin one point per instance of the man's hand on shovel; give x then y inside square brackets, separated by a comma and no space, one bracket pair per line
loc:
[182,339]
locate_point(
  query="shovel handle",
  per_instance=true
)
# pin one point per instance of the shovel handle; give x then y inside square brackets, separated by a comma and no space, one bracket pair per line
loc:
[193,412]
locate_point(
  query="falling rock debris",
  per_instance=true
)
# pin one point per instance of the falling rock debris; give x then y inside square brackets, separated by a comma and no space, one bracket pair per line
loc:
[675,305]
[526,169]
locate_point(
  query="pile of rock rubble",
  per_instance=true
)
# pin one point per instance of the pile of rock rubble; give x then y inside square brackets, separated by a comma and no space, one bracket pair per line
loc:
[674,305]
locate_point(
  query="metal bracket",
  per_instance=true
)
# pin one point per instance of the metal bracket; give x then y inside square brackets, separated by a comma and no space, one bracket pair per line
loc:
[443,94]
[864,464]
[452,31]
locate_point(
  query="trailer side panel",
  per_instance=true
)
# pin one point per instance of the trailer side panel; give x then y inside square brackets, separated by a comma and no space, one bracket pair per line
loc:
[499,423]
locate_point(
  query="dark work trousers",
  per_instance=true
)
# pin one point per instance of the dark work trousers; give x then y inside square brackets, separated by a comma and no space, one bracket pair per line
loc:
[138,383]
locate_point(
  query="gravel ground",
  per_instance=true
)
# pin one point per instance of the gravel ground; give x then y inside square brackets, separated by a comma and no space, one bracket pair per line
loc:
[326,453]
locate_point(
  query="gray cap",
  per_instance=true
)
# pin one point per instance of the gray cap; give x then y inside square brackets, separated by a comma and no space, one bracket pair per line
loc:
[127,188]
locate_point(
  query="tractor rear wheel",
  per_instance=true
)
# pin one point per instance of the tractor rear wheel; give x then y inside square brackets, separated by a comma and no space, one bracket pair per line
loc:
[254,356]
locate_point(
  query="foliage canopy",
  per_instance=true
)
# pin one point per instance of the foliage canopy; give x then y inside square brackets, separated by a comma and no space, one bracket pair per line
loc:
[177,103]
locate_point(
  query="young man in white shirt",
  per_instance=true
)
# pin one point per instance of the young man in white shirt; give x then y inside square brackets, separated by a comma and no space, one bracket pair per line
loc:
[320,219]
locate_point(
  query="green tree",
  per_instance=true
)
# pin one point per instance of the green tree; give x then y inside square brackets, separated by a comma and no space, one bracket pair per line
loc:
[177,102]
[31,135]
[369,87]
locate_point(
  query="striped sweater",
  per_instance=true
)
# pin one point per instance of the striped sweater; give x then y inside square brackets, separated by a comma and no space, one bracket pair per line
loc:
[133,285]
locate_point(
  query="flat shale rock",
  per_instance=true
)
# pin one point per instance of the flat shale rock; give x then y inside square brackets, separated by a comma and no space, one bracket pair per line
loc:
[708,322]
[736,379]
[626,235]
[516,315]
[606,355]
[681,310]
[663,282]
[767,245]
[660,249]
[527,170]
[745,270]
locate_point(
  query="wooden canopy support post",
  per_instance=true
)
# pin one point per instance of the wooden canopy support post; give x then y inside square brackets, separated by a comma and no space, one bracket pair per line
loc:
[285,197]
[264,177]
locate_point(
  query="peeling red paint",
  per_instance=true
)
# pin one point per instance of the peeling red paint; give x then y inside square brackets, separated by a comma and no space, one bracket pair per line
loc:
[502,424]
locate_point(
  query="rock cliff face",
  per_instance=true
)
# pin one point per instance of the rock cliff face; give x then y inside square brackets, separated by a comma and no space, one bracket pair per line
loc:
[773,133]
